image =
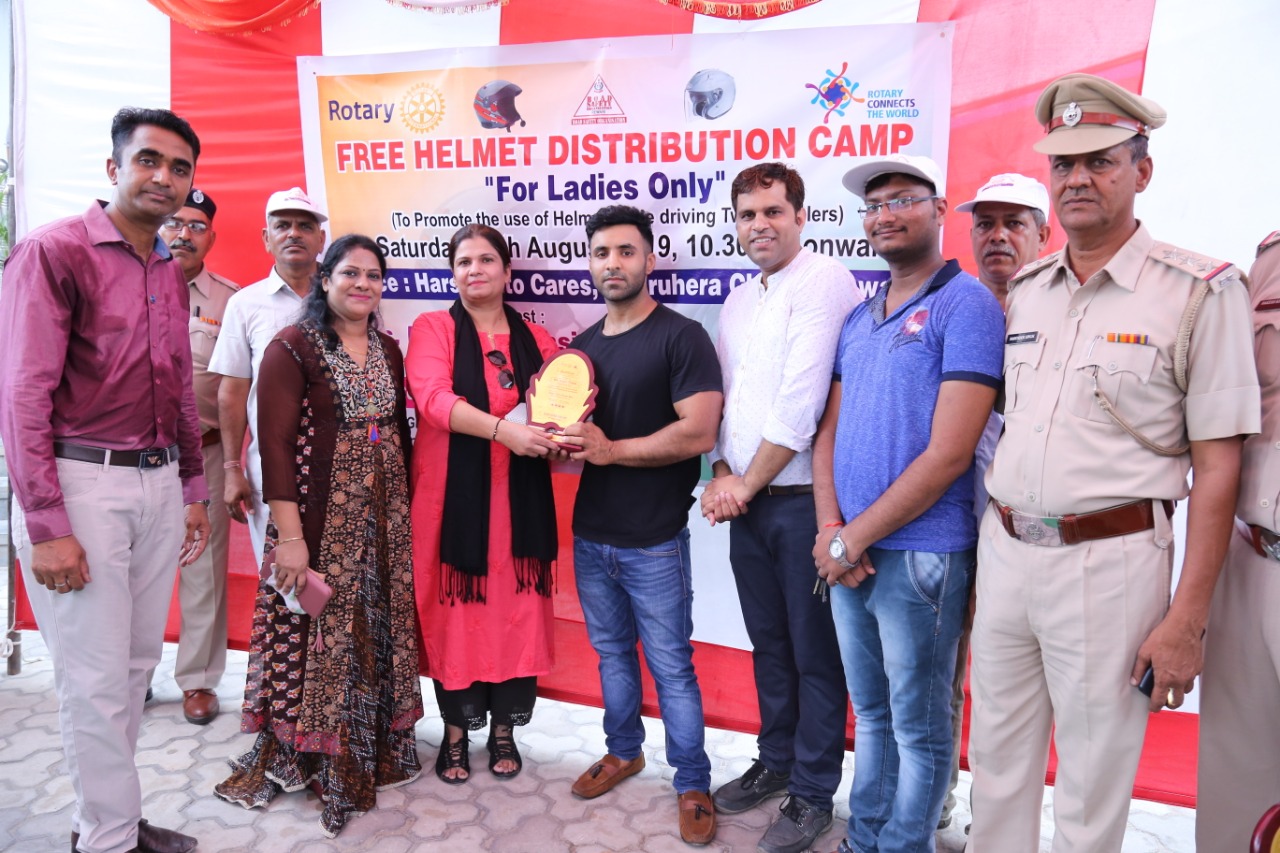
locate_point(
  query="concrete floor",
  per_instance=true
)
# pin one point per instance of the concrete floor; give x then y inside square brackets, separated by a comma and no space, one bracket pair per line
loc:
[533,813]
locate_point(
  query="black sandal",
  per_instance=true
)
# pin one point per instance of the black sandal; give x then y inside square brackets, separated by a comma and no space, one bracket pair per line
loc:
[452,756]
[503,748]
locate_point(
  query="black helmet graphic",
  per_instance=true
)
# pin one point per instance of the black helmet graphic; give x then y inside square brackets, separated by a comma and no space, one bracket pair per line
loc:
[496,104]
[710,93]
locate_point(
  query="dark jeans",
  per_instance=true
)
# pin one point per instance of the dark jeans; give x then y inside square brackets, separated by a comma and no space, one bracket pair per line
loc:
[509,703]
[799,679]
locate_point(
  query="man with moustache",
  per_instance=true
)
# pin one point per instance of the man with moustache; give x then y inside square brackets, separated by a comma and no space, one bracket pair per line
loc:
[1010,229]
[294,238]
[914,382]
[1105,414]
[656,413]
[1239,771]
[202,586]
[102,440]
[777,342]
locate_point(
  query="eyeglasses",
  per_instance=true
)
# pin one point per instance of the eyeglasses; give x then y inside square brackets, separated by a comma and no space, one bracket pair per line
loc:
[893,205]
[176,225]
[505,377]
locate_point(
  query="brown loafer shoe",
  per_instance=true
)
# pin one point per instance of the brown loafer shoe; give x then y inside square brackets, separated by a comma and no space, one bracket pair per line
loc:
[199,706]
[157,839]
[605,774]
[697,817]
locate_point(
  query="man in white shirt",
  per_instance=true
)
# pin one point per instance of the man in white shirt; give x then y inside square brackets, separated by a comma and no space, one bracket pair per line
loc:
[294,238]
[777,342]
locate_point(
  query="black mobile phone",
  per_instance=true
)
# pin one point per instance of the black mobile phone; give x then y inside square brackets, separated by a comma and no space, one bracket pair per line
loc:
[1148,682]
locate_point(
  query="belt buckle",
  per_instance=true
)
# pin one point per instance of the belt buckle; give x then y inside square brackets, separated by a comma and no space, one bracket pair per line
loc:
[1035,530]
[1271,548]
[153,458]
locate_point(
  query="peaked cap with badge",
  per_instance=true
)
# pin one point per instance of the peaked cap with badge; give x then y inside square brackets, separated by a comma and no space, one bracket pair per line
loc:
[1082,113]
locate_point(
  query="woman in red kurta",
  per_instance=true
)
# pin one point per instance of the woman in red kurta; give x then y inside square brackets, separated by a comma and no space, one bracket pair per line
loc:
[483,511]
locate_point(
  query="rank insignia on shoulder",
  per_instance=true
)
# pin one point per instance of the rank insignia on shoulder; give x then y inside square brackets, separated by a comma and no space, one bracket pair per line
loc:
[1268,305]
[1035,266]
[1127,338]
[1268,241]
[1216,272]
[1022,338]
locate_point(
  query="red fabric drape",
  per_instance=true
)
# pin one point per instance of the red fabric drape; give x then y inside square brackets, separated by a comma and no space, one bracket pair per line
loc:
[233,17]
[745,10]
[458,6]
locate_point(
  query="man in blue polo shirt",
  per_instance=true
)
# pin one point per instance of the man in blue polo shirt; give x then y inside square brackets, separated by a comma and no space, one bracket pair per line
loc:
[915,378]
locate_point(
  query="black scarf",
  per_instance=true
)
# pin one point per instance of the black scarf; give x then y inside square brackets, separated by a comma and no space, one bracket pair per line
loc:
[464,535]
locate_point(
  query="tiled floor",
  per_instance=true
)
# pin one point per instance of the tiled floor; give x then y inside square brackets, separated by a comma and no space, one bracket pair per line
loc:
[532,813]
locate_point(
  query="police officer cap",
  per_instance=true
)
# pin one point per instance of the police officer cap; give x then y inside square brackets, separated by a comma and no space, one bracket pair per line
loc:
[200,200]
[1081,113]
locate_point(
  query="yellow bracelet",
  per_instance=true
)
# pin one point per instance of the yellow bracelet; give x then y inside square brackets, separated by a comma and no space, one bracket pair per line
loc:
[291,539]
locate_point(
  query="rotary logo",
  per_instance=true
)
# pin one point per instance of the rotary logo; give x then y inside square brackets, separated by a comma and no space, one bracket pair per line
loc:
[835,93]
[422,109]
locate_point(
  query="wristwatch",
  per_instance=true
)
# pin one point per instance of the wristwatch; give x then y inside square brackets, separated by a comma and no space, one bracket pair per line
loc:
[838,551]
[204,503]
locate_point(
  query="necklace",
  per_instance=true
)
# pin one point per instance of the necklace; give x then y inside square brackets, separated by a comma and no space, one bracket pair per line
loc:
[370,407]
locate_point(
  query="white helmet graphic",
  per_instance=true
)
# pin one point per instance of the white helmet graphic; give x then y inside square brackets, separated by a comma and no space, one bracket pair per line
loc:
[710,93]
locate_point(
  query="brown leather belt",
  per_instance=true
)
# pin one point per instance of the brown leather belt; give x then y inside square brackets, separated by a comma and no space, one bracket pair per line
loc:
[1058,530]
[787,491]
[213,436]
[1265,542]
[156,457]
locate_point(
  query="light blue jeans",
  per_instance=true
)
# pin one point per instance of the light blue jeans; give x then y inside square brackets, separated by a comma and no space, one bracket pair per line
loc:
[645,594]
[898,634]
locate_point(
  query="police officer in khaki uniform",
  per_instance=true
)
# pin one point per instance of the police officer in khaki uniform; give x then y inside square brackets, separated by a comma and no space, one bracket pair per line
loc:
[1101,429]
[202,586]
[1239,738]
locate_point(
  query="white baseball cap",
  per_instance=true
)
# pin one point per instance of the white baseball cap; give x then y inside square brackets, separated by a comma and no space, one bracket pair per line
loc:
[1011,188]
[857,178]
[294,199]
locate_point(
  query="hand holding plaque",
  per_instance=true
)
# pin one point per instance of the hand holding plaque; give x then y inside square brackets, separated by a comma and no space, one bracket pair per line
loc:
[563,392]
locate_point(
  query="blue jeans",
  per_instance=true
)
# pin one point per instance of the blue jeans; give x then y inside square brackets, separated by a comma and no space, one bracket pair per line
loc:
[645,594]
[898,635]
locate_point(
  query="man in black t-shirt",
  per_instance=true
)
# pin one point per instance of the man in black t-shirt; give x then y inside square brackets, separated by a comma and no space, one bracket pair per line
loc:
[657,411]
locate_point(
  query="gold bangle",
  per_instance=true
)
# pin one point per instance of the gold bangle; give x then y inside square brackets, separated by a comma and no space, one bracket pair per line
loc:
[496,424]
[290,539]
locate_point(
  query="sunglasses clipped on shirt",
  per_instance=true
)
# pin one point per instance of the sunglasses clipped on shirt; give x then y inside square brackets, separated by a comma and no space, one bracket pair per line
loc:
[505,377]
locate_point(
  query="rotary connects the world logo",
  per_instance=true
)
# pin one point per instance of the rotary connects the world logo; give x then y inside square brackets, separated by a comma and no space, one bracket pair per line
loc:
[422,108]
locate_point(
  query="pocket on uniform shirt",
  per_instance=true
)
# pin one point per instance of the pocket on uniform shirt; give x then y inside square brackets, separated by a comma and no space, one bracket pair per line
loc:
[203,336]
[1266,343]
[1020,364]
[1123,372]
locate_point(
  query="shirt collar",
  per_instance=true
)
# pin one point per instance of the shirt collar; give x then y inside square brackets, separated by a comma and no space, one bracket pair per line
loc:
[945,273]
[101,229]
[202,282]
[1124,266]
[780,277]
[275,281]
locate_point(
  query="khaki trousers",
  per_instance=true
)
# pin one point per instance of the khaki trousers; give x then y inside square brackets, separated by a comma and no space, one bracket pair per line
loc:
[105,638]
[202,594]
[1239,775]
[1055,637]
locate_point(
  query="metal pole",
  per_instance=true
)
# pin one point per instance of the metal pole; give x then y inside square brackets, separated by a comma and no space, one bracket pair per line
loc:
[15,637]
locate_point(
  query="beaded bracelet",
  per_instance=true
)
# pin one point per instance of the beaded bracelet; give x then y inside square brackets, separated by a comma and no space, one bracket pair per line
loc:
[496,424]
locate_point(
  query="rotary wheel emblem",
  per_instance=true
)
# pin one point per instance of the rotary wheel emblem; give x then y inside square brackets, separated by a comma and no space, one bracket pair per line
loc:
[422,109]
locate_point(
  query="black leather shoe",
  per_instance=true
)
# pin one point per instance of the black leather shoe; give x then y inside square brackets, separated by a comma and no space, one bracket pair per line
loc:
[750,789]
[797,828]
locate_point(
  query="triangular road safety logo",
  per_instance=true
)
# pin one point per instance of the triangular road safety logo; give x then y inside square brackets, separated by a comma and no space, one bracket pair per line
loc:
[599,106]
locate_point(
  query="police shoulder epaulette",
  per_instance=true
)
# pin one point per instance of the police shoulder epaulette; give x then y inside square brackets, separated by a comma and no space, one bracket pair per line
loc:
[1272,239]
[1035,267]
[1217,273]
[224,281]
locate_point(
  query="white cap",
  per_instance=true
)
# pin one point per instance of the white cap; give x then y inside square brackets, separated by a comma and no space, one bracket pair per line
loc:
[294,199]
[1011,188]
[857,178]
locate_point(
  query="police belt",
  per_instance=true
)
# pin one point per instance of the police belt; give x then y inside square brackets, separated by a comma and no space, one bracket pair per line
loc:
[154,457]
[1060,530]
[1265,542]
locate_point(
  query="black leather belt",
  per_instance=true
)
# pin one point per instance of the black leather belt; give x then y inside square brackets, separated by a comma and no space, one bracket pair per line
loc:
[785,491]
[143,460]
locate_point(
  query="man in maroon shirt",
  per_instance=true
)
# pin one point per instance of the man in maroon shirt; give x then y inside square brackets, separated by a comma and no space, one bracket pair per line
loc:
[102,439]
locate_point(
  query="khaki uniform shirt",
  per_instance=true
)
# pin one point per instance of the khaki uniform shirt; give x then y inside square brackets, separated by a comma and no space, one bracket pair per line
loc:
[1061,453]
[209,295]
[1260,466]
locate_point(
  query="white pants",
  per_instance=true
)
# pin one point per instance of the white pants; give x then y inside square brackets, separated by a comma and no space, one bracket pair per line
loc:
[1239,776]
[105,638]
[1055,636]
[202,593]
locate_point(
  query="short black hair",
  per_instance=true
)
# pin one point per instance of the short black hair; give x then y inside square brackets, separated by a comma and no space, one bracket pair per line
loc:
[479,231]
[316,312]
[130,118]
[763,176]
[622,214]
[880,180]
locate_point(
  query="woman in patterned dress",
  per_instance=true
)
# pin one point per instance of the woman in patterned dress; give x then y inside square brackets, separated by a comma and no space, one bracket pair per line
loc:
[334,699]
[483,511]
